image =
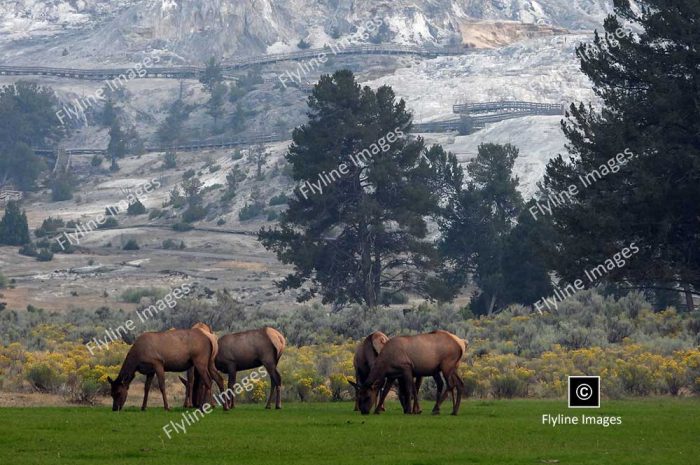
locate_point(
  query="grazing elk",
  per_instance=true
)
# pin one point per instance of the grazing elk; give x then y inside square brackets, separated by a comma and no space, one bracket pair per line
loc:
[365,356]
[405,357]
[244,351]
[174,350]
[189,384]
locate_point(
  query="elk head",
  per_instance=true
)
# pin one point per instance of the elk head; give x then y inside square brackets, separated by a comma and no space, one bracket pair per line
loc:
[366,396]
[118,390]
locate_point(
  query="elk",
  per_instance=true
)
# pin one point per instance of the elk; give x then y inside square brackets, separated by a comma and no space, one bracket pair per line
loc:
[154,353]
[244,351]
[408,357]
[365,356]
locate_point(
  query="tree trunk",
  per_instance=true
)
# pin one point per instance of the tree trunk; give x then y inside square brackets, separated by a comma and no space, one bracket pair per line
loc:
[377,272]
[492,304]
[366,267]
[689,298]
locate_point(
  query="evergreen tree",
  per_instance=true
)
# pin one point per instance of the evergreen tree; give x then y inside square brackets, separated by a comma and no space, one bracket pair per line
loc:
[215,105]
[117,144]
[193,191]
[14,229]
[133,142]
[366,232]
[136,208]
[28,116]
[170,132]
[213,75]
[486,236]
[109,114]
[649,85]
[239,117]
[19,164]
[258,155]
[233,178]
[62,186]
[526,271]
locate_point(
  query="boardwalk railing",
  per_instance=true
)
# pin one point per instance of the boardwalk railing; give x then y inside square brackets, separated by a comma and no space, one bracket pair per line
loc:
[7,195]
[193,72]
[474,117]
[310,54]
[438,126]
[184,72]
[189,147]
[508,106]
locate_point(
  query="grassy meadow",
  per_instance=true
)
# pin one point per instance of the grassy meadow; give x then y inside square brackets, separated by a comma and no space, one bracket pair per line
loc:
[654,431]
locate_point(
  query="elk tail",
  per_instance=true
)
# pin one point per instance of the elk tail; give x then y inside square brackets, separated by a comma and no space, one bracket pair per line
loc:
[463,344]
[278,341]
[206,330]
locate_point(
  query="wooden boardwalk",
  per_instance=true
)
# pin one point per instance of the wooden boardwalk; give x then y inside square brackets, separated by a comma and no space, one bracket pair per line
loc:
[193,72]
[476,115]
[8,195]
[472,117]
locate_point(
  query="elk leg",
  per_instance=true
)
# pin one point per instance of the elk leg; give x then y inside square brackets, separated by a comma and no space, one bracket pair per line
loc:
[440,385]
[386,387]
[404,398]
[407,385]
[383,393]
[204,377]
[160,373]
[278,397]
[146,389]
[232,372]
[214,373]
[457,384]
[199,393]
[273,390]
[275,382]
[189,388]
[416,406]
[442,398]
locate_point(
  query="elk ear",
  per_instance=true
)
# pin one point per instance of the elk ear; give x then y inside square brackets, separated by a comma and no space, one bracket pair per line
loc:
[354,385]
[184,381]
[110,380]
[378,342]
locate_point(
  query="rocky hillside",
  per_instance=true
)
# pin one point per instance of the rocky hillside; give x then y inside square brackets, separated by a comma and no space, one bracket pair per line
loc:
[119,30]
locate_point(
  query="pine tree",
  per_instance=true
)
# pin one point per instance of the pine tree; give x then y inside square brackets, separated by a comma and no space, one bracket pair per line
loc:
[366,232]
[117,144]
[28,116]
[213,75]
[109,114]
[215,105]
[14,229]
[649,85]
[170,132]
[484,235]
[258,155]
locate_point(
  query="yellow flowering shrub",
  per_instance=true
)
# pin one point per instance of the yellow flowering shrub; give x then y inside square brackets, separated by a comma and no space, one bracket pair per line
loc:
[258,392]
[322,393]
[320,372]
[68,367]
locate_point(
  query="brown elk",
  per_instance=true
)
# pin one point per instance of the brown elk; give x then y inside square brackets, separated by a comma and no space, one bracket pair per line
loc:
[363,361]
[244,351]
[405,357]
[189,385]
[174,350]
[365,356]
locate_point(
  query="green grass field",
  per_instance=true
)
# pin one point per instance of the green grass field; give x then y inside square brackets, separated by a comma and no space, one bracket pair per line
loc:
[657,431]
